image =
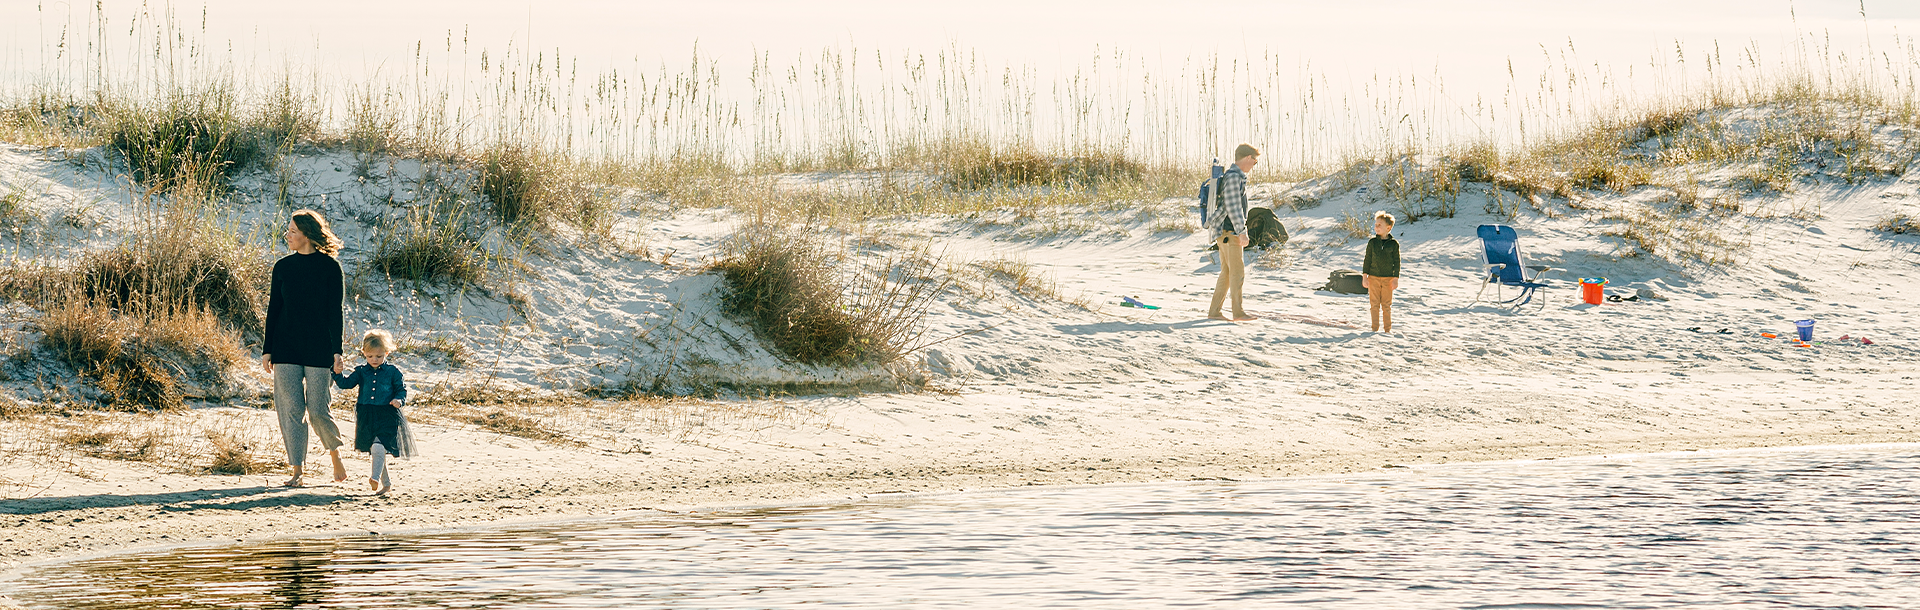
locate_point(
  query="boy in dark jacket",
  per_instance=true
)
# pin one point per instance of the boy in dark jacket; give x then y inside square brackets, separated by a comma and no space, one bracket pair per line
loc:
[1380,272]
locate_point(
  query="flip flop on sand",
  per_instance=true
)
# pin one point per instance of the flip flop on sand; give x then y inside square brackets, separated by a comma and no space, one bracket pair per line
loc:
[1866,341]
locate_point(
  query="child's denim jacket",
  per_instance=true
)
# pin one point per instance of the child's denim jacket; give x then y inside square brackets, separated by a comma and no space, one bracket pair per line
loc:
[379,386]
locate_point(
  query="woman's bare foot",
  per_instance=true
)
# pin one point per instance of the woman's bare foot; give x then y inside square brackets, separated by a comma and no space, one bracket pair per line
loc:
[1216,316]
[339,469]
[1244,317]
[292,482]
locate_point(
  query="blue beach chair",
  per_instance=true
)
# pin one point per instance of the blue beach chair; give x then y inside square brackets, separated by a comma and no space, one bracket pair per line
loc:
[1506,268]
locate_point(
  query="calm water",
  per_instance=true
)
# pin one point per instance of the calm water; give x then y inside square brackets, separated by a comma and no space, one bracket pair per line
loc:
[1803,528]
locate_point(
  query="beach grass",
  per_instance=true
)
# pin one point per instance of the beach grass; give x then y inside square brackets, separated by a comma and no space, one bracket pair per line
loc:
[876,136]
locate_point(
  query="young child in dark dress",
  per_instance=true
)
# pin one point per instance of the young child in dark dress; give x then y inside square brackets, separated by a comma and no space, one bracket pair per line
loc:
[380,429]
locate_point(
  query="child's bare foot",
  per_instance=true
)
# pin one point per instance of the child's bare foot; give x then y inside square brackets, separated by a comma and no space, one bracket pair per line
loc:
[373,484]
[1216,316]
[383,490]
[1244,317]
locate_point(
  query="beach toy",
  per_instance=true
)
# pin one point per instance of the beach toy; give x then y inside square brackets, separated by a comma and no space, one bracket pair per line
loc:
[1133,302]
[1866,341]
[1805,328]
[1593,290]
[1770,335]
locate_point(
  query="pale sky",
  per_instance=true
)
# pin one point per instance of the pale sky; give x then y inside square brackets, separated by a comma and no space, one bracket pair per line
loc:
[1365,35]
[1469,44]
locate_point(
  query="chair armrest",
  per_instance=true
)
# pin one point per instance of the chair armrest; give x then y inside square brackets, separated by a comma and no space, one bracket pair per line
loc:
[1539,268]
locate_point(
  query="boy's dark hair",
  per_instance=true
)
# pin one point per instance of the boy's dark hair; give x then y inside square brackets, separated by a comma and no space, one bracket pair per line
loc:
[1383,217]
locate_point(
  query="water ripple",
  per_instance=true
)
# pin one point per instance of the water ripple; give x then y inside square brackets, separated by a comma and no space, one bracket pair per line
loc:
[1804,528]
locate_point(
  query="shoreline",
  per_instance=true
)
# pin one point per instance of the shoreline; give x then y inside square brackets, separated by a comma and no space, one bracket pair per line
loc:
[98,531]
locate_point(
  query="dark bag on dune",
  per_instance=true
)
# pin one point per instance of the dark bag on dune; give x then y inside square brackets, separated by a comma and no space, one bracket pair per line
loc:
[1263,230]
[1344,281]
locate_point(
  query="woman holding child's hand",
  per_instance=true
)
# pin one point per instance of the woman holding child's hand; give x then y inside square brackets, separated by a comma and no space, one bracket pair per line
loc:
[302,343]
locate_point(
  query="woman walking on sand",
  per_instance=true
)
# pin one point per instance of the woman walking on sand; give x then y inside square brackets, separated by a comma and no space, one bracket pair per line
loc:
[302,343]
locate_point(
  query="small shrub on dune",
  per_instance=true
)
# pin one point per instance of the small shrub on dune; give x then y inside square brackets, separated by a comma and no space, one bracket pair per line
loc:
[1659,124]
[202,142]
[1355,227]
[288,116]
[979,167]
[231,456]
[434,245]
[182,274]
[441,349]
[531,189]
[139,360]
[1898,224]
[782,284]
[13,208]
[114,445]
[500,422]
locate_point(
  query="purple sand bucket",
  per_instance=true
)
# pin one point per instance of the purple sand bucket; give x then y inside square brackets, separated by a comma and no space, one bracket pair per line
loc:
[1806,329]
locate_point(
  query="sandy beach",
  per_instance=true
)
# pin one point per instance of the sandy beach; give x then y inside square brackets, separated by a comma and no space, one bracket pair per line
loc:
[1055,386]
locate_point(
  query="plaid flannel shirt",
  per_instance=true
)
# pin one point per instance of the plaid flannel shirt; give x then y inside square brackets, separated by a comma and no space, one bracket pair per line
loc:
[1233,197]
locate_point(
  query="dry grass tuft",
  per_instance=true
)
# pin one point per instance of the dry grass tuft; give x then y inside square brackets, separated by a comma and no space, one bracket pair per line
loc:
[501,422]
[231,456]
[188,136]
[13,208]
[184,270]
[530,189]
[1355,227]
[1678,237]
[783,283]
[147,446]
[1020,277]
[440,349]
[1898,224]
[435,244]
[978,166]
[141,360]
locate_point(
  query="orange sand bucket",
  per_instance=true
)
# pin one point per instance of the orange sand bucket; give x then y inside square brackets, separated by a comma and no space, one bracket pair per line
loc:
[1593,290]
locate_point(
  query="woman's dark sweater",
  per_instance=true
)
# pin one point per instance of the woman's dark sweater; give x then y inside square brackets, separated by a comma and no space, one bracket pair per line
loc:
[1383,257]
[304,311]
